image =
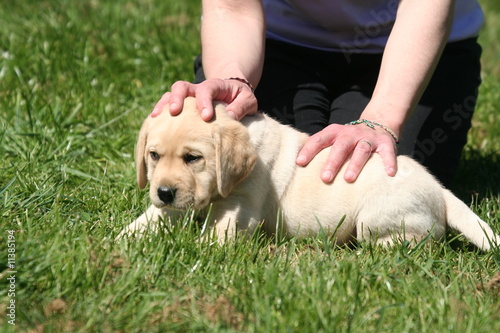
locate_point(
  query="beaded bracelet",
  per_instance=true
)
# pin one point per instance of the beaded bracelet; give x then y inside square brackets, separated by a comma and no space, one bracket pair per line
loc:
[372,124]
[243,81]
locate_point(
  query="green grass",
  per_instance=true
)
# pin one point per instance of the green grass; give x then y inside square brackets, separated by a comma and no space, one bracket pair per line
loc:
[76,80]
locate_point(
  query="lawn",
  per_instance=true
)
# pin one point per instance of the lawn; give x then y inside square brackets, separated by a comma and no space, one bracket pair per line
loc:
[76,80]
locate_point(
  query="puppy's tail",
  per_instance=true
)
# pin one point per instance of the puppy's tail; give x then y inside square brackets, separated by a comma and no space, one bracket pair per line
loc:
[463,220]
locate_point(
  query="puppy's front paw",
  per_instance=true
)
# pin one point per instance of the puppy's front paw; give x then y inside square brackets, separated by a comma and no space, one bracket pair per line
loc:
[146,222]
[137,228]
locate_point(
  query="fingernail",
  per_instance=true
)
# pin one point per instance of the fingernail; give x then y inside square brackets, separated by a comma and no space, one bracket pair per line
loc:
[232,115]
[391,171]
[174,106]
[349,175]
[326,176]
[205,114]
[301,159]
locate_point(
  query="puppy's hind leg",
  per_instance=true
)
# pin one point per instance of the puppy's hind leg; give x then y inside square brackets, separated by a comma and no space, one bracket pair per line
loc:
[414,228]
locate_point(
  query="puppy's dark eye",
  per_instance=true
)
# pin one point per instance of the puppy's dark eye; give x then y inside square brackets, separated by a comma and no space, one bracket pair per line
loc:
[154,156]
[190,158]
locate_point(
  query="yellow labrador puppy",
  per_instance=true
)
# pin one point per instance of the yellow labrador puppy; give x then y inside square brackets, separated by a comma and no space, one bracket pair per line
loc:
[247,172]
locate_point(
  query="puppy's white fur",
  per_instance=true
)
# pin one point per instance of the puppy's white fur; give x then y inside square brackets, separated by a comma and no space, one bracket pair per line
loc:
[247,171]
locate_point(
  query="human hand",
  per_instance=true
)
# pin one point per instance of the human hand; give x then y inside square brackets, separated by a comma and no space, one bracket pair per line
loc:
[360,140]
[239,98]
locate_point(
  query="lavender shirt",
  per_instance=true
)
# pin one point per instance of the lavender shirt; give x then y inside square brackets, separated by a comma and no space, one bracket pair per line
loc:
[352,26]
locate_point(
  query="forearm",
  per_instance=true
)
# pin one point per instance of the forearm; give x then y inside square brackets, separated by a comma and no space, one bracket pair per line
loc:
[410,57]
[233,35]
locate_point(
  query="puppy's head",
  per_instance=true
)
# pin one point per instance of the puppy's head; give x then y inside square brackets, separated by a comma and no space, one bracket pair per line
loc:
[189,161]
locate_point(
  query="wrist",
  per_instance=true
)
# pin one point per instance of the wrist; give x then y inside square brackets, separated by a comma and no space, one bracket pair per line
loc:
[373,124]
[242,80]
[389,115]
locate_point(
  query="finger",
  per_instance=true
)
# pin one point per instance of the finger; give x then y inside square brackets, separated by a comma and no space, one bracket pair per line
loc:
[338,154]
[360,156]
[244,104]
[315,144]
[179,91]
[158,108]
[204,101]
[389,158]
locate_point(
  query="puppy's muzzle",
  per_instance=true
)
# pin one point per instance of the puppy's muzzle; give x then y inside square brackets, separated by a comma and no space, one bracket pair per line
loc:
[166,194]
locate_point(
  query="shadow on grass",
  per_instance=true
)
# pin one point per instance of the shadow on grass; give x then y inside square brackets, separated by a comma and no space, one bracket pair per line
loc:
[478,175]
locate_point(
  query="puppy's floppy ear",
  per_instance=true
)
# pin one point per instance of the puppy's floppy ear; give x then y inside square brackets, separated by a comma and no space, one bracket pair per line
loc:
[140,162]
[235,156]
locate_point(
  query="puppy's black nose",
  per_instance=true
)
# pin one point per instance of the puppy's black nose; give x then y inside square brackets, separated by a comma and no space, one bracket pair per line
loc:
[166,194]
